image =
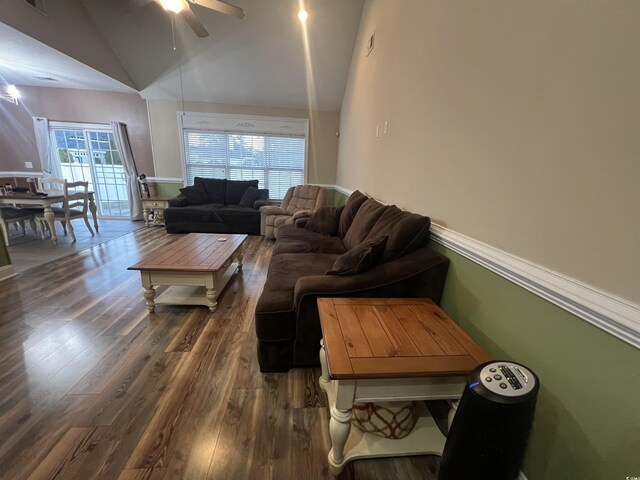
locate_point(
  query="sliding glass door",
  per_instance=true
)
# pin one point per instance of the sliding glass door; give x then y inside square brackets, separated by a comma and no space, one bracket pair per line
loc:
[90,154]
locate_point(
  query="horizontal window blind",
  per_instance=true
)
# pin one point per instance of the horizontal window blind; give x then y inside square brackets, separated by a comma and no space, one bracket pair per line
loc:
[276,161]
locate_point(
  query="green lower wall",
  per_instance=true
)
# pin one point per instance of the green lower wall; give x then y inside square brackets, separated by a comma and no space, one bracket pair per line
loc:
[336,198]
[168,189]
[587,423]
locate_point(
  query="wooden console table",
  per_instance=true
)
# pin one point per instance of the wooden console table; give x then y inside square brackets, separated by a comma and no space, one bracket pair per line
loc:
[385,350]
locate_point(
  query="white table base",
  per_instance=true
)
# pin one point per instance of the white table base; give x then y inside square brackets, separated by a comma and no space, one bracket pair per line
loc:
[349,444]
[188,287]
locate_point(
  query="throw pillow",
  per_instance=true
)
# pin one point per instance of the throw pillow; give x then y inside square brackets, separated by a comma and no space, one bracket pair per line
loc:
[360,258]
[236,188]
[354,202]
[195,195]
[250,195]
[216,188]
[325,220]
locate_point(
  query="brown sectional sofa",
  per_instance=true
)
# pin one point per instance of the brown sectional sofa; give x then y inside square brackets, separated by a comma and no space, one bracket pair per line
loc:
[287,322]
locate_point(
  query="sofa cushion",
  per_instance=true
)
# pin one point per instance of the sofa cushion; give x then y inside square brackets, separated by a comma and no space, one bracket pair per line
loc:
[230,211]
[325,220]
[195,195]
[277,295]
[216,188]
[204,213]
[249,196]
[354,202]
[292,239]
[236,188]
[360,258]
[366,217]
[407,232]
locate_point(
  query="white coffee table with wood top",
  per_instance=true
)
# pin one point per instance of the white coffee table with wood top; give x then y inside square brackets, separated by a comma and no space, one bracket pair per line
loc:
[389,350]
[196,267]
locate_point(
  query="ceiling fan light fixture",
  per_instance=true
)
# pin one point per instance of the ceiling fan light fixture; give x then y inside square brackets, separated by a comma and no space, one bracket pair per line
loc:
[13,91]
[175,6]
[12,94]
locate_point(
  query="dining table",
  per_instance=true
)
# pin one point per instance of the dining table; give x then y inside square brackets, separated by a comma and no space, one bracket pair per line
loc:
[30,199]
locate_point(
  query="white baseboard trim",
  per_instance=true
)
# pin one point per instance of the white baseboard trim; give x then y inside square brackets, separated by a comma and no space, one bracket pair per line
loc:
[612,314]
[7,272]
[164,180]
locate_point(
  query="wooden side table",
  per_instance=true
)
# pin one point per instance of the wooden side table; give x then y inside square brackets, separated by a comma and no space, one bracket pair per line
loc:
[156,205]
[386,350]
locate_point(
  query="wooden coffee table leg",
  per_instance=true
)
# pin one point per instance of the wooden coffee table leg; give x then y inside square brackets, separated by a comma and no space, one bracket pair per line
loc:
[211,298]
[149,292]
[212,294]
[240,257]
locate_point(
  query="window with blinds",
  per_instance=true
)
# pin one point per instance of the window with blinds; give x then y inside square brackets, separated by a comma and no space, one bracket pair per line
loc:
[276,161]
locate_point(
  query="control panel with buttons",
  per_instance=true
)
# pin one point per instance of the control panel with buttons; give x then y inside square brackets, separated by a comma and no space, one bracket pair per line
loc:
[506,378]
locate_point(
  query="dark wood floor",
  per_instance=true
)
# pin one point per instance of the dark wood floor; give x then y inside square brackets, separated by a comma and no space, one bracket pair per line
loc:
[92,386]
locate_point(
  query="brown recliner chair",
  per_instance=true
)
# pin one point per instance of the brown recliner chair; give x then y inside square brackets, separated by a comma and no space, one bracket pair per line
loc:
[299,201]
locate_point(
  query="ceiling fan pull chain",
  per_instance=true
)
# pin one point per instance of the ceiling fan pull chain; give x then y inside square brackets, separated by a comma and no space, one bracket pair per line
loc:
[173,31]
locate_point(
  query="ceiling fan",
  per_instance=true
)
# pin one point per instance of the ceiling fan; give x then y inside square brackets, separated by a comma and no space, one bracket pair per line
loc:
[184,9]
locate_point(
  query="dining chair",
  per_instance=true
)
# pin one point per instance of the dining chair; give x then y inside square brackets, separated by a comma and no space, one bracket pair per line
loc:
[76,205]
[51,184]
[18,217]
[47,184]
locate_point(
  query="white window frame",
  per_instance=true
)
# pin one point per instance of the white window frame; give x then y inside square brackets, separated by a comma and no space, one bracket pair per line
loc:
[243,124]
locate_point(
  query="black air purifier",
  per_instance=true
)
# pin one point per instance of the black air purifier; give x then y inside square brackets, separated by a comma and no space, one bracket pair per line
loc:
[489,432]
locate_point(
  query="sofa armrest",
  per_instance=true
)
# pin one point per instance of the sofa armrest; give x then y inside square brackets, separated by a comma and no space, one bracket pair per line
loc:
[302,214]
[272,210]
[179,201]
[419,274]
[263,198]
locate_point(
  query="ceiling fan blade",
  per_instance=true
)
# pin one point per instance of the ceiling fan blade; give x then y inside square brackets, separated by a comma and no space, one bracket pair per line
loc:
[221,7]
[193,22]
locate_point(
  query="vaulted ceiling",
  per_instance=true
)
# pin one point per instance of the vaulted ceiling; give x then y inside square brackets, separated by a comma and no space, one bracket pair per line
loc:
[264,59]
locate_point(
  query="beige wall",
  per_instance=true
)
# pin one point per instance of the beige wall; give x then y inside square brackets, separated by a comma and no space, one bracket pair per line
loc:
[515,123]
[17,139]
[163,119]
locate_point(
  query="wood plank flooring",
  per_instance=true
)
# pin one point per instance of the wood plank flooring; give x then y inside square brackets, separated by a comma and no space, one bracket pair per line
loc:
[93,386]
